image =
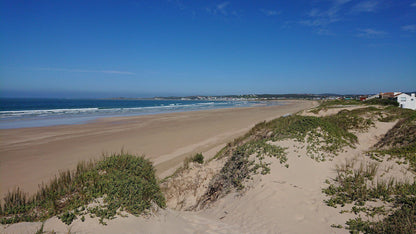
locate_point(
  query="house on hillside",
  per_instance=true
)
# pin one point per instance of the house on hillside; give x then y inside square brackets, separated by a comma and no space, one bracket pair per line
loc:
[407,101]
[389,95]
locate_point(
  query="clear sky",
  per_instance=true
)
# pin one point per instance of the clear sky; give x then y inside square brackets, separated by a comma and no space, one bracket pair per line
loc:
[179,47]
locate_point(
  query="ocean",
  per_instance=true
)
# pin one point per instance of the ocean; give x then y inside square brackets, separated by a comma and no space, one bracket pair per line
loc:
[20,113]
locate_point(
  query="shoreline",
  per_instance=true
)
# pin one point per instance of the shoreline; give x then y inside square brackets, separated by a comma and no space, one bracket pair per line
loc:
[14,119]
[30,156]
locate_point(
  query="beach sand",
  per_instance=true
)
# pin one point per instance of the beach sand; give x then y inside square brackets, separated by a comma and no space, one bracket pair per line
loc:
[288,200]
[30,156]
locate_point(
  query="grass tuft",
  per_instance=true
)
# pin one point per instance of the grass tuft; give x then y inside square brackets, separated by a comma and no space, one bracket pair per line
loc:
[357,186]
[198,158]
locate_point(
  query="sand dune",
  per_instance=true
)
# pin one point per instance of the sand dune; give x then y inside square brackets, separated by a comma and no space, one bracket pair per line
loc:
[288,200]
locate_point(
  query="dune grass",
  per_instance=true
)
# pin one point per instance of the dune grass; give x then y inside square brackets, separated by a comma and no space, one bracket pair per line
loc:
[400,141]
[357,186]
[338,103]
[326,104]
[123,181]
[324,137]
[329,135]
[197,158]
[240,166]
[353,185]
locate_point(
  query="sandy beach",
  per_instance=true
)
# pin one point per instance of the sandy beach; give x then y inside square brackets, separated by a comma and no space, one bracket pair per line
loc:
[288,199]
[29,156]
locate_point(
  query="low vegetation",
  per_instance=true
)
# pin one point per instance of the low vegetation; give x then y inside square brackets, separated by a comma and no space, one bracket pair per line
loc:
[325,105]
[328,104]
[324,136]
[198,158]
[245,160]
[383,102]
[358,186]
[354,185]
[400,141]
[122,182]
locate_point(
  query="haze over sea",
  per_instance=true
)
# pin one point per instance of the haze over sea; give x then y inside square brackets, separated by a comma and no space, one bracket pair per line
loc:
[19,113]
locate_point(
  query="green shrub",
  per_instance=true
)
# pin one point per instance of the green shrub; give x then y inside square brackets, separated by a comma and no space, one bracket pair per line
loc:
[123,181]
[384,102]
[402,220]
[198,158]
[67,217]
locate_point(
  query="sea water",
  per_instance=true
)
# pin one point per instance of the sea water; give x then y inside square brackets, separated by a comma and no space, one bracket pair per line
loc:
[20,113]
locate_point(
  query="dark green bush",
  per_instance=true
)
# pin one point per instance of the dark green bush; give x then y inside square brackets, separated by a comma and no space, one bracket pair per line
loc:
[384,102]
[199,158]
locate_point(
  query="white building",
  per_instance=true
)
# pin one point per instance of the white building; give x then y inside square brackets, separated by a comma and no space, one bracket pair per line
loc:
[373,96]
[406,101]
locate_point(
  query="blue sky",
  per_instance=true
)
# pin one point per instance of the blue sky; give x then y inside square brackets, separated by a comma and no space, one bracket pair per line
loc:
[173,47]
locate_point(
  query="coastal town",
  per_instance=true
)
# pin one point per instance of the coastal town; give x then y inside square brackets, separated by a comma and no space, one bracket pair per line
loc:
[404,100]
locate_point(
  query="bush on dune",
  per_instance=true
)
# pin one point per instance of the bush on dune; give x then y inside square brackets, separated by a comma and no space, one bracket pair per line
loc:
[124,182]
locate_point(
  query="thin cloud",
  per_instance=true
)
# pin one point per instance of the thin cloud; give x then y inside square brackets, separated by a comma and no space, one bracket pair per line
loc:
[409,28]
[320,19]
[370,33]
[87,71]
[366,6]
[219,9]
[223,9]
[318,22]
[413,4]
[270,12]
[222,6]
